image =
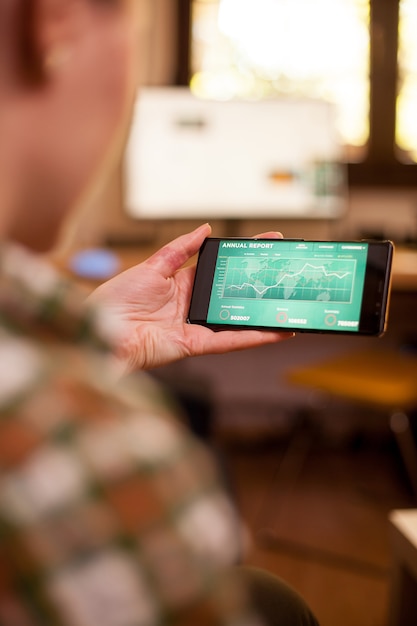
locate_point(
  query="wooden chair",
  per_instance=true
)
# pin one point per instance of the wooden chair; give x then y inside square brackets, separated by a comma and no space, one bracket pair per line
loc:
[385,379]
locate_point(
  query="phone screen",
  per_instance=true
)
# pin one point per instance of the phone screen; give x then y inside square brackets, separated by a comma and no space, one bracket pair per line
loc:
[297,285]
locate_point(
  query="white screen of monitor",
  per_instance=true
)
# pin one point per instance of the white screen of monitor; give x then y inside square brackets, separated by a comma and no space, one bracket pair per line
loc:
[193,158]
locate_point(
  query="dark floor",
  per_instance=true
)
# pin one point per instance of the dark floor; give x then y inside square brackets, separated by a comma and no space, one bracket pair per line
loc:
[319,519]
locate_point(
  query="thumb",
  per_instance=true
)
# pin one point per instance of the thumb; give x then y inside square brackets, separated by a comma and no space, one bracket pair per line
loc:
[173,255]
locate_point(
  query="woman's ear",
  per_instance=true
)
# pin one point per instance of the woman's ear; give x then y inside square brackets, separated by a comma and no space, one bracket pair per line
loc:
[47,28]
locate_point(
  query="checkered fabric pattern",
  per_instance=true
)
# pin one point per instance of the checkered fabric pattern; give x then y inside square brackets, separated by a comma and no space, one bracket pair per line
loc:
[111,514]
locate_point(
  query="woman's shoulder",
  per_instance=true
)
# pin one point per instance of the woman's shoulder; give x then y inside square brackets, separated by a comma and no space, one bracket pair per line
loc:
[36,301]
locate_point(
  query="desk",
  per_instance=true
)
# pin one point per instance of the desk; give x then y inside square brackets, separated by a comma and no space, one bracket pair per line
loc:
[403,592]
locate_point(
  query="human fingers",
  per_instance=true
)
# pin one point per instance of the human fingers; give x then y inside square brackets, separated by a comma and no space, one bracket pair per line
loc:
[205,341]
[173,255]
[270,234]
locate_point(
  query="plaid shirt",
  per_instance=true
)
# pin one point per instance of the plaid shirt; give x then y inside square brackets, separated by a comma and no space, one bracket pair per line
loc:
[111,514]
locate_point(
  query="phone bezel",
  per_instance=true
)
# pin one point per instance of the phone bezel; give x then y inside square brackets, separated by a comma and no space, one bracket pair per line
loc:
[376,292]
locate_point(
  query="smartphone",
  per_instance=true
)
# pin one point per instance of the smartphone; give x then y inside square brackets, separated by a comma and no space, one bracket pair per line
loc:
[293,285]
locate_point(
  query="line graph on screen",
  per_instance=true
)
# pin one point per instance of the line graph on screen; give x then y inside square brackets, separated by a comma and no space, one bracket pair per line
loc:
[289,279]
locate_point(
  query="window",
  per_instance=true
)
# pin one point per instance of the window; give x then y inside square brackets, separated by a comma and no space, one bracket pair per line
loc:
[406,128]
[242,48]
[371,73]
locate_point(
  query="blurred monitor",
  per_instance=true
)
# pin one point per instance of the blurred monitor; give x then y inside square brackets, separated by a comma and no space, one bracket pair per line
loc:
[193,158]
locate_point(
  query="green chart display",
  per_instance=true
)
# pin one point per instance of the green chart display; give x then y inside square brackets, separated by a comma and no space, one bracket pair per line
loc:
[312,285]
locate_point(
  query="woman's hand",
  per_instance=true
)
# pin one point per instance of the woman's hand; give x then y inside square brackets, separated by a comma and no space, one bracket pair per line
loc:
[150,302]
